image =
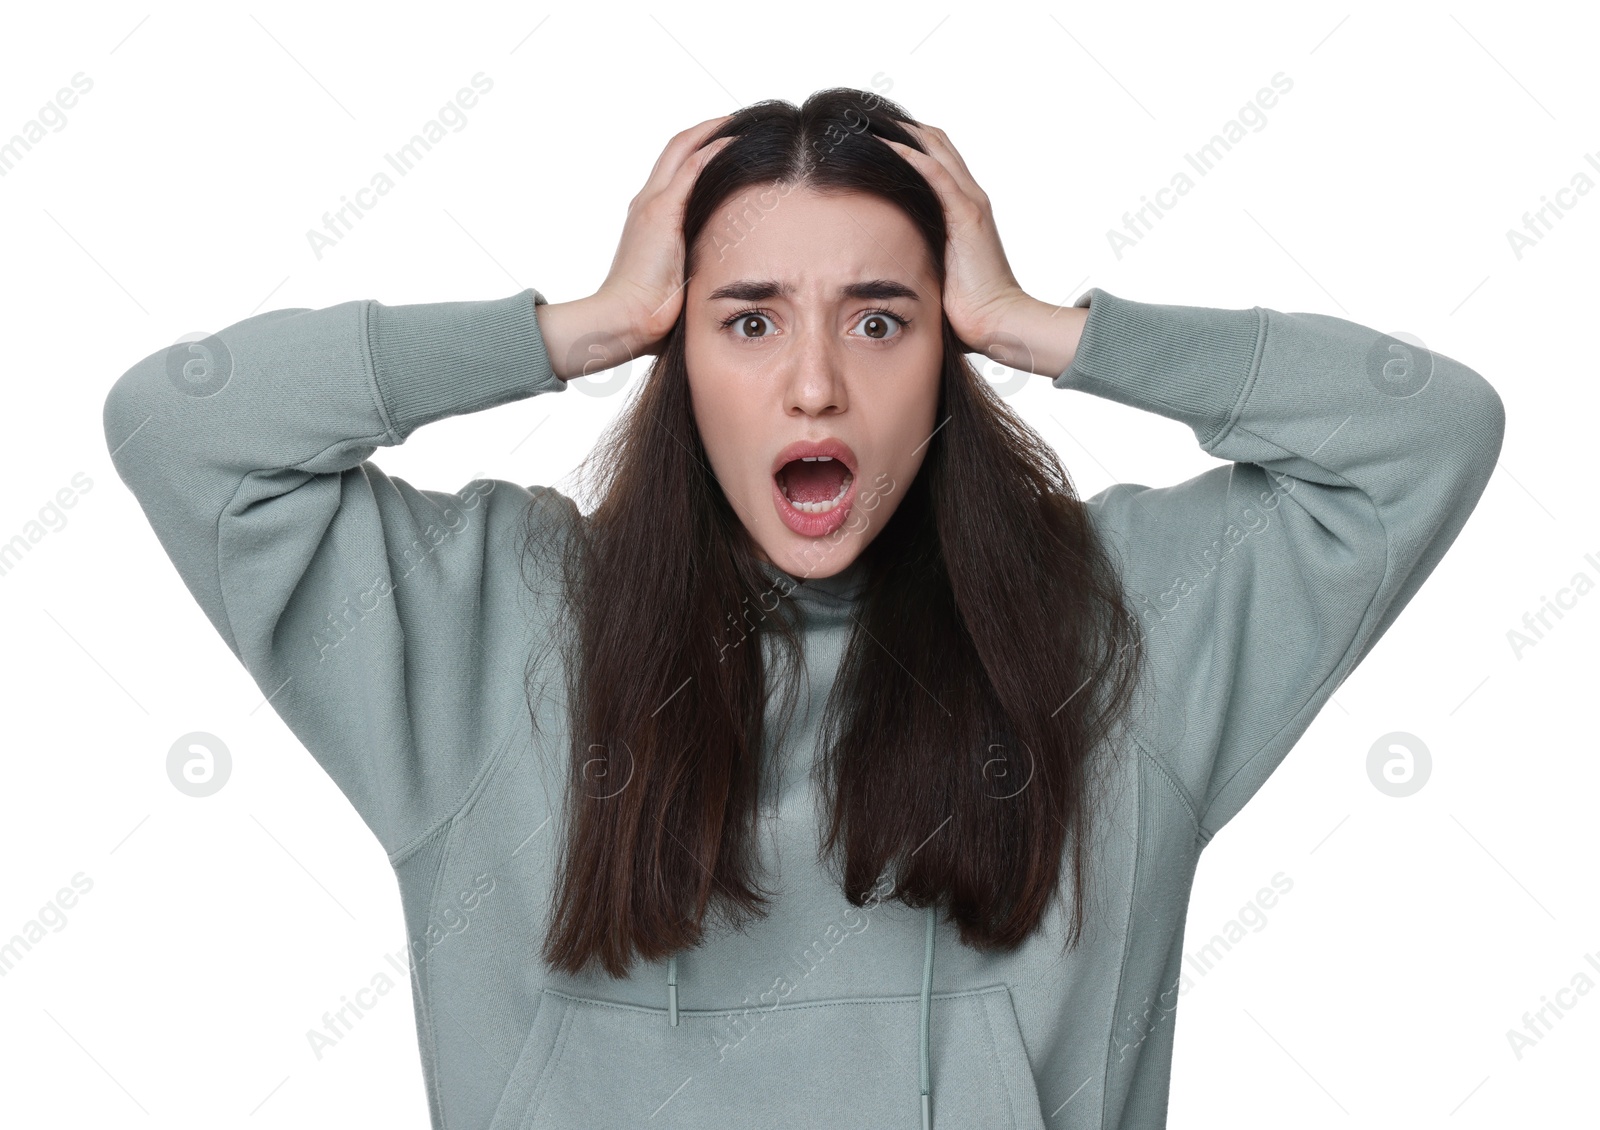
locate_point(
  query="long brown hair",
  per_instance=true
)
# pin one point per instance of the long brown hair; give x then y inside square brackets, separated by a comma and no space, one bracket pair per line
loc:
[992,650]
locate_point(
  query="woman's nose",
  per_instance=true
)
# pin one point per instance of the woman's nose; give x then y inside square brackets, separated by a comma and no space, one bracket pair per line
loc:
[815,372]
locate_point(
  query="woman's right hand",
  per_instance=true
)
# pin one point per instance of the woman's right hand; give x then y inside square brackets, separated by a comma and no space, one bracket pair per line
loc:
[638,303]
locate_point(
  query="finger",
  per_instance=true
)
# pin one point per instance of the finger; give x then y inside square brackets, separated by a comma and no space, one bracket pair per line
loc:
[951,194]
[940,146]
[678,187]
[677,151]
[943,140]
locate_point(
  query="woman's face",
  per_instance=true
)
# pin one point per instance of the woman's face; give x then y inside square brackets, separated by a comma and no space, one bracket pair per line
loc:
[814,361]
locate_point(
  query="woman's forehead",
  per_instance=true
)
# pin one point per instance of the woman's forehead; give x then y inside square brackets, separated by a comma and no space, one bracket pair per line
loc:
[810,246]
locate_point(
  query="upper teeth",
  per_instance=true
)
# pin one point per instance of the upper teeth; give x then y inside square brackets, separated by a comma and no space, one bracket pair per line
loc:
[815,458]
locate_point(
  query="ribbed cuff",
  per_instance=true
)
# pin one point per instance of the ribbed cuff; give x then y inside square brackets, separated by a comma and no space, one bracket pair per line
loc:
[1189,363]
[433,360]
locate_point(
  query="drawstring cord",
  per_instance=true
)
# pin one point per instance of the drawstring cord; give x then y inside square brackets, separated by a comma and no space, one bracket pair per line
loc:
[927,1012]
[927,1009]
[672,989]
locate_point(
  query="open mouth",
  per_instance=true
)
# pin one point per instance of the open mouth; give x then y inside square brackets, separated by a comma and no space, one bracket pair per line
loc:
[813,485]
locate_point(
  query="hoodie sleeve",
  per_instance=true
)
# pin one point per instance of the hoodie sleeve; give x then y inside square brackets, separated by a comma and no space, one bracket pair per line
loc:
[369,612]
[1354,460]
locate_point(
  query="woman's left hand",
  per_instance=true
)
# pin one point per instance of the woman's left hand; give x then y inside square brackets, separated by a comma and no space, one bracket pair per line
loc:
[980,292]
[988,310]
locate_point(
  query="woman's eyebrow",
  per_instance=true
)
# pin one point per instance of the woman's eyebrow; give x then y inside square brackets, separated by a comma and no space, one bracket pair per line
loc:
[751,290]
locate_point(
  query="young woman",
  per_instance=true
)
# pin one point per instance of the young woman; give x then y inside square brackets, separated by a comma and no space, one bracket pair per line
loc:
[685,794]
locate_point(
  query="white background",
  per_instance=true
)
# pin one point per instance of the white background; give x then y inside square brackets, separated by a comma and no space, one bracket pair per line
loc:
[177,199]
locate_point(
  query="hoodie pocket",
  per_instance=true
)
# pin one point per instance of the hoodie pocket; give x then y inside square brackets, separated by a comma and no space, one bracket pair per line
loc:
[849,1062]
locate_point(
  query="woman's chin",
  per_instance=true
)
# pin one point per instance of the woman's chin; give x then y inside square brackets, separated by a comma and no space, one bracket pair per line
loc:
[810,558]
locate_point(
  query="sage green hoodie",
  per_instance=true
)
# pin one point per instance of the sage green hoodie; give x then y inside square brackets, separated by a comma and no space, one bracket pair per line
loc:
[389,625]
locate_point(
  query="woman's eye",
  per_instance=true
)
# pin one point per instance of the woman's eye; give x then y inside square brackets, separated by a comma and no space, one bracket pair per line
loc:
[748,324]
[881,325]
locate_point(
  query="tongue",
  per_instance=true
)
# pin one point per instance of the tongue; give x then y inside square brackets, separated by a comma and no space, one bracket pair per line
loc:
[813,482]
